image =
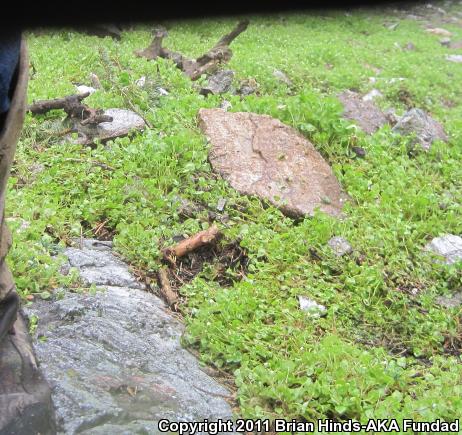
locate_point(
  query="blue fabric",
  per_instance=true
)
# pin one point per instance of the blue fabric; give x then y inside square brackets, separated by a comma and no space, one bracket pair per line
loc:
[9,57]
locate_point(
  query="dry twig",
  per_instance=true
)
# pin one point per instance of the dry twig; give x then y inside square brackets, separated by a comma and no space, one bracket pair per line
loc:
[170,296]
[191,243]
[194,68]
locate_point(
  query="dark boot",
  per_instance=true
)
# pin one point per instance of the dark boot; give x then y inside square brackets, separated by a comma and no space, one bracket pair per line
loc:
[25,397]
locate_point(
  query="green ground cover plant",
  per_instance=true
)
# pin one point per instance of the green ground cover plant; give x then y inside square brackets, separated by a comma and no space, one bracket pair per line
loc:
[384,349]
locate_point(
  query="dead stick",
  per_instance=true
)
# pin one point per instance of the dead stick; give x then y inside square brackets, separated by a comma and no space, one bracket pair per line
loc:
[170,296]
[194,68]
[191,243]
[220,51]
[100,227]
[154,49]
[231,36]
[43,106]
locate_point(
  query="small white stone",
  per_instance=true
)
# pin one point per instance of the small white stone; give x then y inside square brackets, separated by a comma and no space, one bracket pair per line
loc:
[82,89]
[454,58]
[221,204]
[141,82]
[340,246]
[123,123]
[372,95]
[162,91]
[396,79]
[311,306]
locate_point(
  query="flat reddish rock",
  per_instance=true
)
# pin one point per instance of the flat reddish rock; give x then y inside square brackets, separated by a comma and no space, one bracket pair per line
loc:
[259,155]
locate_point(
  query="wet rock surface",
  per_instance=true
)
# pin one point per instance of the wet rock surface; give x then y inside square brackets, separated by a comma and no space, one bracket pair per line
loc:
[113,358]
[362,111]
[259,155]
[97,265]
[422,125]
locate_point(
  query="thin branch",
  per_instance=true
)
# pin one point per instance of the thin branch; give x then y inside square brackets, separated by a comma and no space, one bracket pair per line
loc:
[170,296]
[191,243]
[43,106]
[194,68]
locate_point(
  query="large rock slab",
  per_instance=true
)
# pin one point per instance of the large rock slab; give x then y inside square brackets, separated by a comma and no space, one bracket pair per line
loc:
[114,358]
[259,155]
[423,126]
[362,111]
